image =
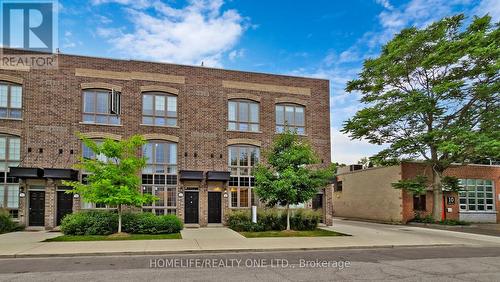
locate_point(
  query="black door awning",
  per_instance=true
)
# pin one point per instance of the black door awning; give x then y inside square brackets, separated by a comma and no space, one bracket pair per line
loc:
[191,175]
[218,175]
[60,173]
[26,172]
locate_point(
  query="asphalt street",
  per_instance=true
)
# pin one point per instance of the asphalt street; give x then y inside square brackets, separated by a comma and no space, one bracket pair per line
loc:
[451,263]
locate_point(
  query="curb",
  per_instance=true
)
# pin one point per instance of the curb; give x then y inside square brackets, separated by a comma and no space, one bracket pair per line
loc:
[185,252]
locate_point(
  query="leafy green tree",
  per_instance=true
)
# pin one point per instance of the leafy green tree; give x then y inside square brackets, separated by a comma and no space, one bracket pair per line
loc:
[288,177]
[433,94]
[113,176]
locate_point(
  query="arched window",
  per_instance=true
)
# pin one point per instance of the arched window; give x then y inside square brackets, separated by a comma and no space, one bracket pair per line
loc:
[10,156]
[242,159]
[97,107]
[290,116]
[159,177]
[243,115]
[159,108]
[11,100]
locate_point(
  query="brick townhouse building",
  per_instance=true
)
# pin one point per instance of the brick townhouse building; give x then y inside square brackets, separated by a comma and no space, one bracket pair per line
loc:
[205,129]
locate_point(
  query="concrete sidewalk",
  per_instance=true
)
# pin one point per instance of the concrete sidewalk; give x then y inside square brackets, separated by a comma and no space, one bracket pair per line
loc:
[364,235]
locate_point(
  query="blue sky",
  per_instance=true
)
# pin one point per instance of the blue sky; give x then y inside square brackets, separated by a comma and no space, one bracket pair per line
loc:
[318,38]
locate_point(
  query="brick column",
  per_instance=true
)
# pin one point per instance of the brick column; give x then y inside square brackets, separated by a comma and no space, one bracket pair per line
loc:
[23,204]
[180,203]
[50,204]
[203,203]
[328,205]
[77,203]
[225,203]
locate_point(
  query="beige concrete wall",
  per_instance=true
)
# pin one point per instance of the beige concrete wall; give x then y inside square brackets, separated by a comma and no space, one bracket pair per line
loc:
[368,194]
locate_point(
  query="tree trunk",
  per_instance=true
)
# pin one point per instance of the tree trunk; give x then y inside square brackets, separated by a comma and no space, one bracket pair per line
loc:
[119,218]
[437,189]
[287,217]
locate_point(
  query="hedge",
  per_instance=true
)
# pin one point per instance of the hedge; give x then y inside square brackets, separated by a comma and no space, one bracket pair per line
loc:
[106,223]
[273,219]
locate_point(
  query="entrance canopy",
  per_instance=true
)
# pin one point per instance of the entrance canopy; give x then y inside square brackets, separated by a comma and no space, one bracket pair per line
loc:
[34,172]
[218,175]
[191,175]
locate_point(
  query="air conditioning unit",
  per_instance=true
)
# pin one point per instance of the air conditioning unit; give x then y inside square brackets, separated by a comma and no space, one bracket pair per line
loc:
[115,102]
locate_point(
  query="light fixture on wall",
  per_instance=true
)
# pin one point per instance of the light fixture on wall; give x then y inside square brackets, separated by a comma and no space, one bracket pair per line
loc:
[76,196]
[180,195]
[22,195]
[225,195]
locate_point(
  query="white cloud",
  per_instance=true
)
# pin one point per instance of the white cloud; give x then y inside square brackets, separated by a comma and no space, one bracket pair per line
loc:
[235,54]
[385,3]
[200,31]
[491,7]
[347,151]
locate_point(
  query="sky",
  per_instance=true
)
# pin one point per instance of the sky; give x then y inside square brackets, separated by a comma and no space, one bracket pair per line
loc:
[317,38]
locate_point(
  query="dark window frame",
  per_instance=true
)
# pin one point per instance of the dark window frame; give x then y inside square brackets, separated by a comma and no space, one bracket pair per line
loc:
[280,127]
[155,116]
[109,117]
[237,122]
[9,109]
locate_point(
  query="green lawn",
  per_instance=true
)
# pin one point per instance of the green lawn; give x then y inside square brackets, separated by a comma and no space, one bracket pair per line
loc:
[72,238]
[314,233]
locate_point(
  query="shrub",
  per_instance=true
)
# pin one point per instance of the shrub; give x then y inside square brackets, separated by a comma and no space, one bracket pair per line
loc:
[148,223]
[7,224]
[105,223]
[420,219]
[305,219]
[90,223]
[272,219]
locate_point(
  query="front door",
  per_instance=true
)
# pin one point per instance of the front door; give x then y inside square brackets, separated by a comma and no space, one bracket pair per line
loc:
[214,207]
[190,207]
[64,205]
[37,208]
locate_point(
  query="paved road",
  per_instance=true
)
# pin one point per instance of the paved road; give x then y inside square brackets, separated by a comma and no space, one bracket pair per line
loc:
[451,263]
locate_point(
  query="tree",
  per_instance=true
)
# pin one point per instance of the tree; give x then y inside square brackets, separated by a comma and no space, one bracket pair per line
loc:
[433,94]
[113,177]
[288,178]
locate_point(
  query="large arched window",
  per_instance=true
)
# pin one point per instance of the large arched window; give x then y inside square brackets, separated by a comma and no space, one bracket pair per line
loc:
[159,108]
[290,116]
[242,159]
[159,177]
[11,100]
[243,115]
[10,156]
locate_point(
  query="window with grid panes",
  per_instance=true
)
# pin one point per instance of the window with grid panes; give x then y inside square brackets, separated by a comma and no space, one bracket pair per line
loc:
[477,195]
[242,159]
[10,156]
[97,106]
[159,177]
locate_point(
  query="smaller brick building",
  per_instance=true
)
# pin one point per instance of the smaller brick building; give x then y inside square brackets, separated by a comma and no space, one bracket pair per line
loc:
[368,194]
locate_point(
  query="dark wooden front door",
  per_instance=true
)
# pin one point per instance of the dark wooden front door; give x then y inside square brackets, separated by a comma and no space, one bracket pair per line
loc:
[64,205]
[214,207]
[37,208]
[191,207]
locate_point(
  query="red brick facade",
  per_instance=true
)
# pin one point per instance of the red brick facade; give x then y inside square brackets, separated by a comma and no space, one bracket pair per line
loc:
[52,114]
[452,211]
